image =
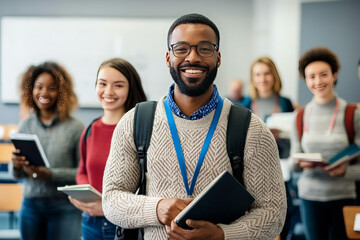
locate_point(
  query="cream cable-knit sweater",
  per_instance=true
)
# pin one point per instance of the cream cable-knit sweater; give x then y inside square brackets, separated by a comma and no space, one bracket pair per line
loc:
[262,174]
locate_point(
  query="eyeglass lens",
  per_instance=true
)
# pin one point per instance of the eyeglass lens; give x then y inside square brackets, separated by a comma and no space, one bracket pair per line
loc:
[203,49]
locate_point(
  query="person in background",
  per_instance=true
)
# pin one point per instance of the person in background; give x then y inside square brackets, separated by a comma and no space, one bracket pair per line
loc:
[235,91]
[47,213]
[193,58]
[118,88]
[264,100]
[324,193]
[357,183]
[265,87]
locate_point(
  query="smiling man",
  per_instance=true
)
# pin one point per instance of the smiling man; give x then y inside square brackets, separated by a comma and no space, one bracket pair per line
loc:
[189,109]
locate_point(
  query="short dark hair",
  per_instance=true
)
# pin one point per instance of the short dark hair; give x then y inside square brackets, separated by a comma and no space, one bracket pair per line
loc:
[136,92]
[319,54]
[193,18]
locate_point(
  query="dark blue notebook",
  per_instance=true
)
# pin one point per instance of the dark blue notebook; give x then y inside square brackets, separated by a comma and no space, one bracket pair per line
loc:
[31,148]
[223,201]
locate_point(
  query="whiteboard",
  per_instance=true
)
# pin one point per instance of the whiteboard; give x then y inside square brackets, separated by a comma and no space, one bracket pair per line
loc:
[81,45]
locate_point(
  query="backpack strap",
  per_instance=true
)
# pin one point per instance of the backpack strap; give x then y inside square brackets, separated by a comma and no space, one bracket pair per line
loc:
[238,124]
[299,123]
[349,122]
[87,135]
[143,123]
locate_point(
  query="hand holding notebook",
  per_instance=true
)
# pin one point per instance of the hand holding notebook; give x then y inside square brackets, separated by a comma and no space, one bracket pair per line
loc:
[31,148]
[223,201]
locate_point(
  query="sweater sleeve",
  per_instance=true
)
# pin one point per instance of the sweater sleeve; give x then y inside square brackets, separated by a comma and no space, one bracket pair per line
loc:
[263,179]
[66,173]
[120,181]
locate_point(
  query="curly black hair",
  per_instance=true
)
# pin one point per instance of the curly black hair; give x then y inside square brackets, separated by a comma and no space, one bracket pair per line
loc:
[319,54]
[66,101]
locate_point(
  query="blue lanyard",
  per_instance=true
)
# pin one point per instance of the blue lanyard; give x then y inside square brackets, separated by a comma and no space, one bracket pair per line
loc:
[204,149]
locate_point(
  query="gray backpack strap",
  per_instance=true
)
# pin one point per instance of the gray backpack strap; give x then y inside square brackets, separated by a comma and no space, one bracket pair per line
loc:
[143,123]
[238,124]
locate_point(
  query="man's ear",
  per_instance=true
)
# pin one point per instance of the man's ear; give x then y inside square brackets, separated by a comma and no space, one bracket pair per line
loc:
[168,58]
[218,59]
[335,77]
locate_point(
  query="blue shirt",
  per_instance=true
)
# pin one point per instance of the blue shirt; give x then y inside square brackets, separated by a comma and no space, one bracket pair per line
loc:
[200,113]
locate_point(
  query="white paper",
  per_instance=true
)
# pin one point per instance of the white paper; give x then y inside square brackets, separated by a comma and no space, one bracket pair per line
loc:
[357,222]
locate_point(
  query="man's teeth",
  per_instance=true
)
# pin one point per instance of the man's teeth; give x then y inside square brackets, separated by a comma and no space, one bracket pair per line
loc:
[193,71]
[109,99]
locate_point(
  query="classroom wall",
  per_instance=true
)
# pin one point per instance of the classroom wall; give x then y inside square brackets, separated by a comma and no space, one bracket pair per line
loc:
[233,18]
[335,25]
[248,28]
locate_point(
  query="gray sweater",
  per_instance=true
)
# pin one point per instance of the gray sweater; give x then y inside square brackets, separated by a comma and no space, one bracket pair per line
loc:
[316,184]
[61,145]
[262,174]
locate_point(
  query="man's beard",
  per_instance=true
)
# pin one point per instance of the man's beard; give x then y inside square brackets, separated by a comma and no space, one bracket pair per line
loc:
[197,90]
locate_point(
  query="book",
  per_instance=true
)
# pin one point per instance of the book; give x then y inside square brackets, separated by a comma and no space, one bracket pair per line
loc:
[82,192]
[223,201]
[348,154]
[30,147]
[315,158]
[282,122]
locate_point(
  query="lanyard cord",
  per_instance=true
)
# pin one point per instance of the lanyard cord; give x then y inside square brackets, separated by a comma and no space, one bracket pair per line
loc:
[333,117]
[179,152]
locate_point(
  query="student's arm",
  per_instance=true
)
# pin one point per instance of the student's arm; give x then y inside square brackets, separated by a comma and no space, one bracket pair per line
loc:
[263,179]
[295,147]
[67,154]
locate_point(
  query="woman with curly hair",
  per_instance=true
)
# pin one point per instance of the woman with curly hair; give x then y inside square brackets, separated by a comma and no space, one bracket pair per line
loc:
[324,192]
[46,213]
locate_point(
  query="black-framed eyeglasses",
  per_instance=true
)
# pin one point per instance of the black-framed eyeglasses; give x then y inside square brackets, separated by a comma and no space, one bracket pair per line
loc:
[203,49]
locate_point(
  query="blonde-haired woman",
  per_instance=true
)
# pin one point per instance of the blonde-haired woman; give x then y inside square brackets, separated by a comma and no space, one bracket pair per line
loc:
[264,100]
[265,87]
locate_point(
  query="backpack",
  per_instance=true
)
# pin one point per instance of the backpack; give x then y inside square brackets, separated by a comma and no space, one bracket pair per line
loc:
[238,124]
[348,121]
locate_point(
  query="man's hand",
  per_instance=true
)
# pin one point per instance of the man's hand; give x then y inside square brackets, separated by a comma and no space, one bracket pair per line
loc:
[92,208]
[201,230]
[168,209]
